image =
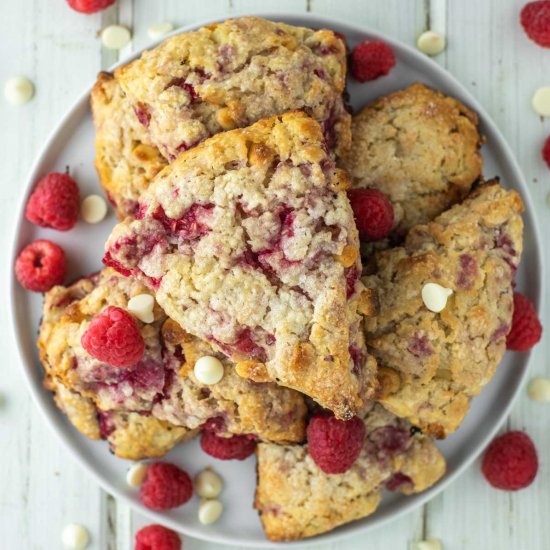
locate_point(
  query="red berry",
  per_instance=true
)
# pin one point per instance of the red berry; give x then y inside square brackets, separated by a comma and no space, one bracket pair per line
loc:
[157,537]
[546,151]
[535,20]
[526,328]
[40,266]
[373,213]
[237,447]
[166,486]
[90,6]
[510,462]
[371,60]
[114,337]
[333,444]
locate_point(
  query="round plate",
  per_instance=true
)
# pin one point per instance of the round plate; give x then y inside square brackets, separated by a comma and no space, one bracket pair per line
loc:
[72,144]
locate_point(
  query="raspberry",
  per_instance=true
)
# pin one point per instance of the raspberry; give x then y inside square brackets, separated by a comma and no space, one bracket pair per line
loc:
[371,60]
[166,486]
[510,462]
[546,151]
[40,266]
[373,213]
[535,20]
[90,6]
[333,444]
[157,537]
[113,337]
[54,203]
[237,447]
[526,328]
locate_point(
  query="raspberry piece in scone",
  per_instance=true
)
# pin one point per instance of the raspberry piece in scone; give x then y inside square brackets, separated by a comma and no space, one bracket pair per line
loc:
[296,499]
[526,329]
[371,60]
[432,364]
[160,393]
[199,83]
[248,241]
[420,148]
[535,20]
[40,266]
[157,537]
[237,447]
[511,462]
[165,486]
[373,213]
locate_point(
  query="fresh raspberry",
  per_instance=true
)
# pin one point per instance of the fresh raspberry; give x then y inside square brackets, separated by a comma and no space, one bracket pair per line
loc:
[510,462]
[166,486]
[526,328]
[114,338]
[40,266]
[90,6]
[535,20]
[333,444]
[546,151]
[373,213]
[157,537]
[237,447]
[54,203]
[371,60]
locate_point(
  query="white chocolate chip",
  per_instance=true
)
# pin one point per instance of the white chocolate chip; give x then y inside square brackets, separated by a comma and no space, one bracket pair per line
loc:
[435,296]
[429,544]
[208,370]
[210,511]
[539,389]
[18,90]
[142,307]
[93,209]
[541,101]
[75,537]
[115,37]
[158,30]
[136,473]
[431,43]
[208,484]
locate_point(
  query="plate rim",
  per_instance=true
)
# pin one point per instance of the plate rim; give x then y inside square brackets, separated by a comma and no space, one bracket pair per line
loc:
[355,528]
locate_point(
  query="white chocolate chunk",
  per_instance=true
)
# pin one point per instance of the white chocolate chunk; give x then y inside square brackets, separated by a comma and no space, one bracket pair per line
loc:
[115,37]
[18,90]
[208,484]
[208,370]
[539,389]
[75,537]
[93,209]
[431,43]
[210,511]
[429,544]
[541,101]
[136,473]
[435,296]
[142,307]
[158,30]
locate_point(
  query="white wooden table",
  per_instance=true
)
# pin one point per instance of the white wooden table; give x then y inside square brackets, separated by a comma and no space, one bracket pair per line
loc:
[41,487]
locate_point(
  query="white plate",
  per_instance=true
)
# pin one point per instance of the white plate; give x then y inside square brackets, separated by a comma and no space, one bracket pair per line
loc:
[71,144]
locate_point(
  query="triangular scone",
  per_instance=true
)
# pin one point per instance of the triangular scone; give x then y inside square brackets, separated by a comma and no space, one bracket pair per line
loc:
[431,364]
[249,242]
[162,386]
[296,499]
[232,74]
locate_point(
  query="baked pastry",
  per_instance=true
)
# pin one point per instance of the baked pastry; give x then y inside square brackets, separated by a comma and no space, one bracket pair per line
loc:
[432,364]
[296,499]
[248,241]
[126,159]
[419,147]
[234,73]
[162,386]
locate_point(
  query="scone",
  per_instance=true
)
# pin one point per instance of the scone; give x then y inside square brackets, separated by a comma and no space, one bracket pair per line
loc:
[126,159]
[432,364]
[249,242]
[419,147]
[234,73]
[296,499]
[162,386]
